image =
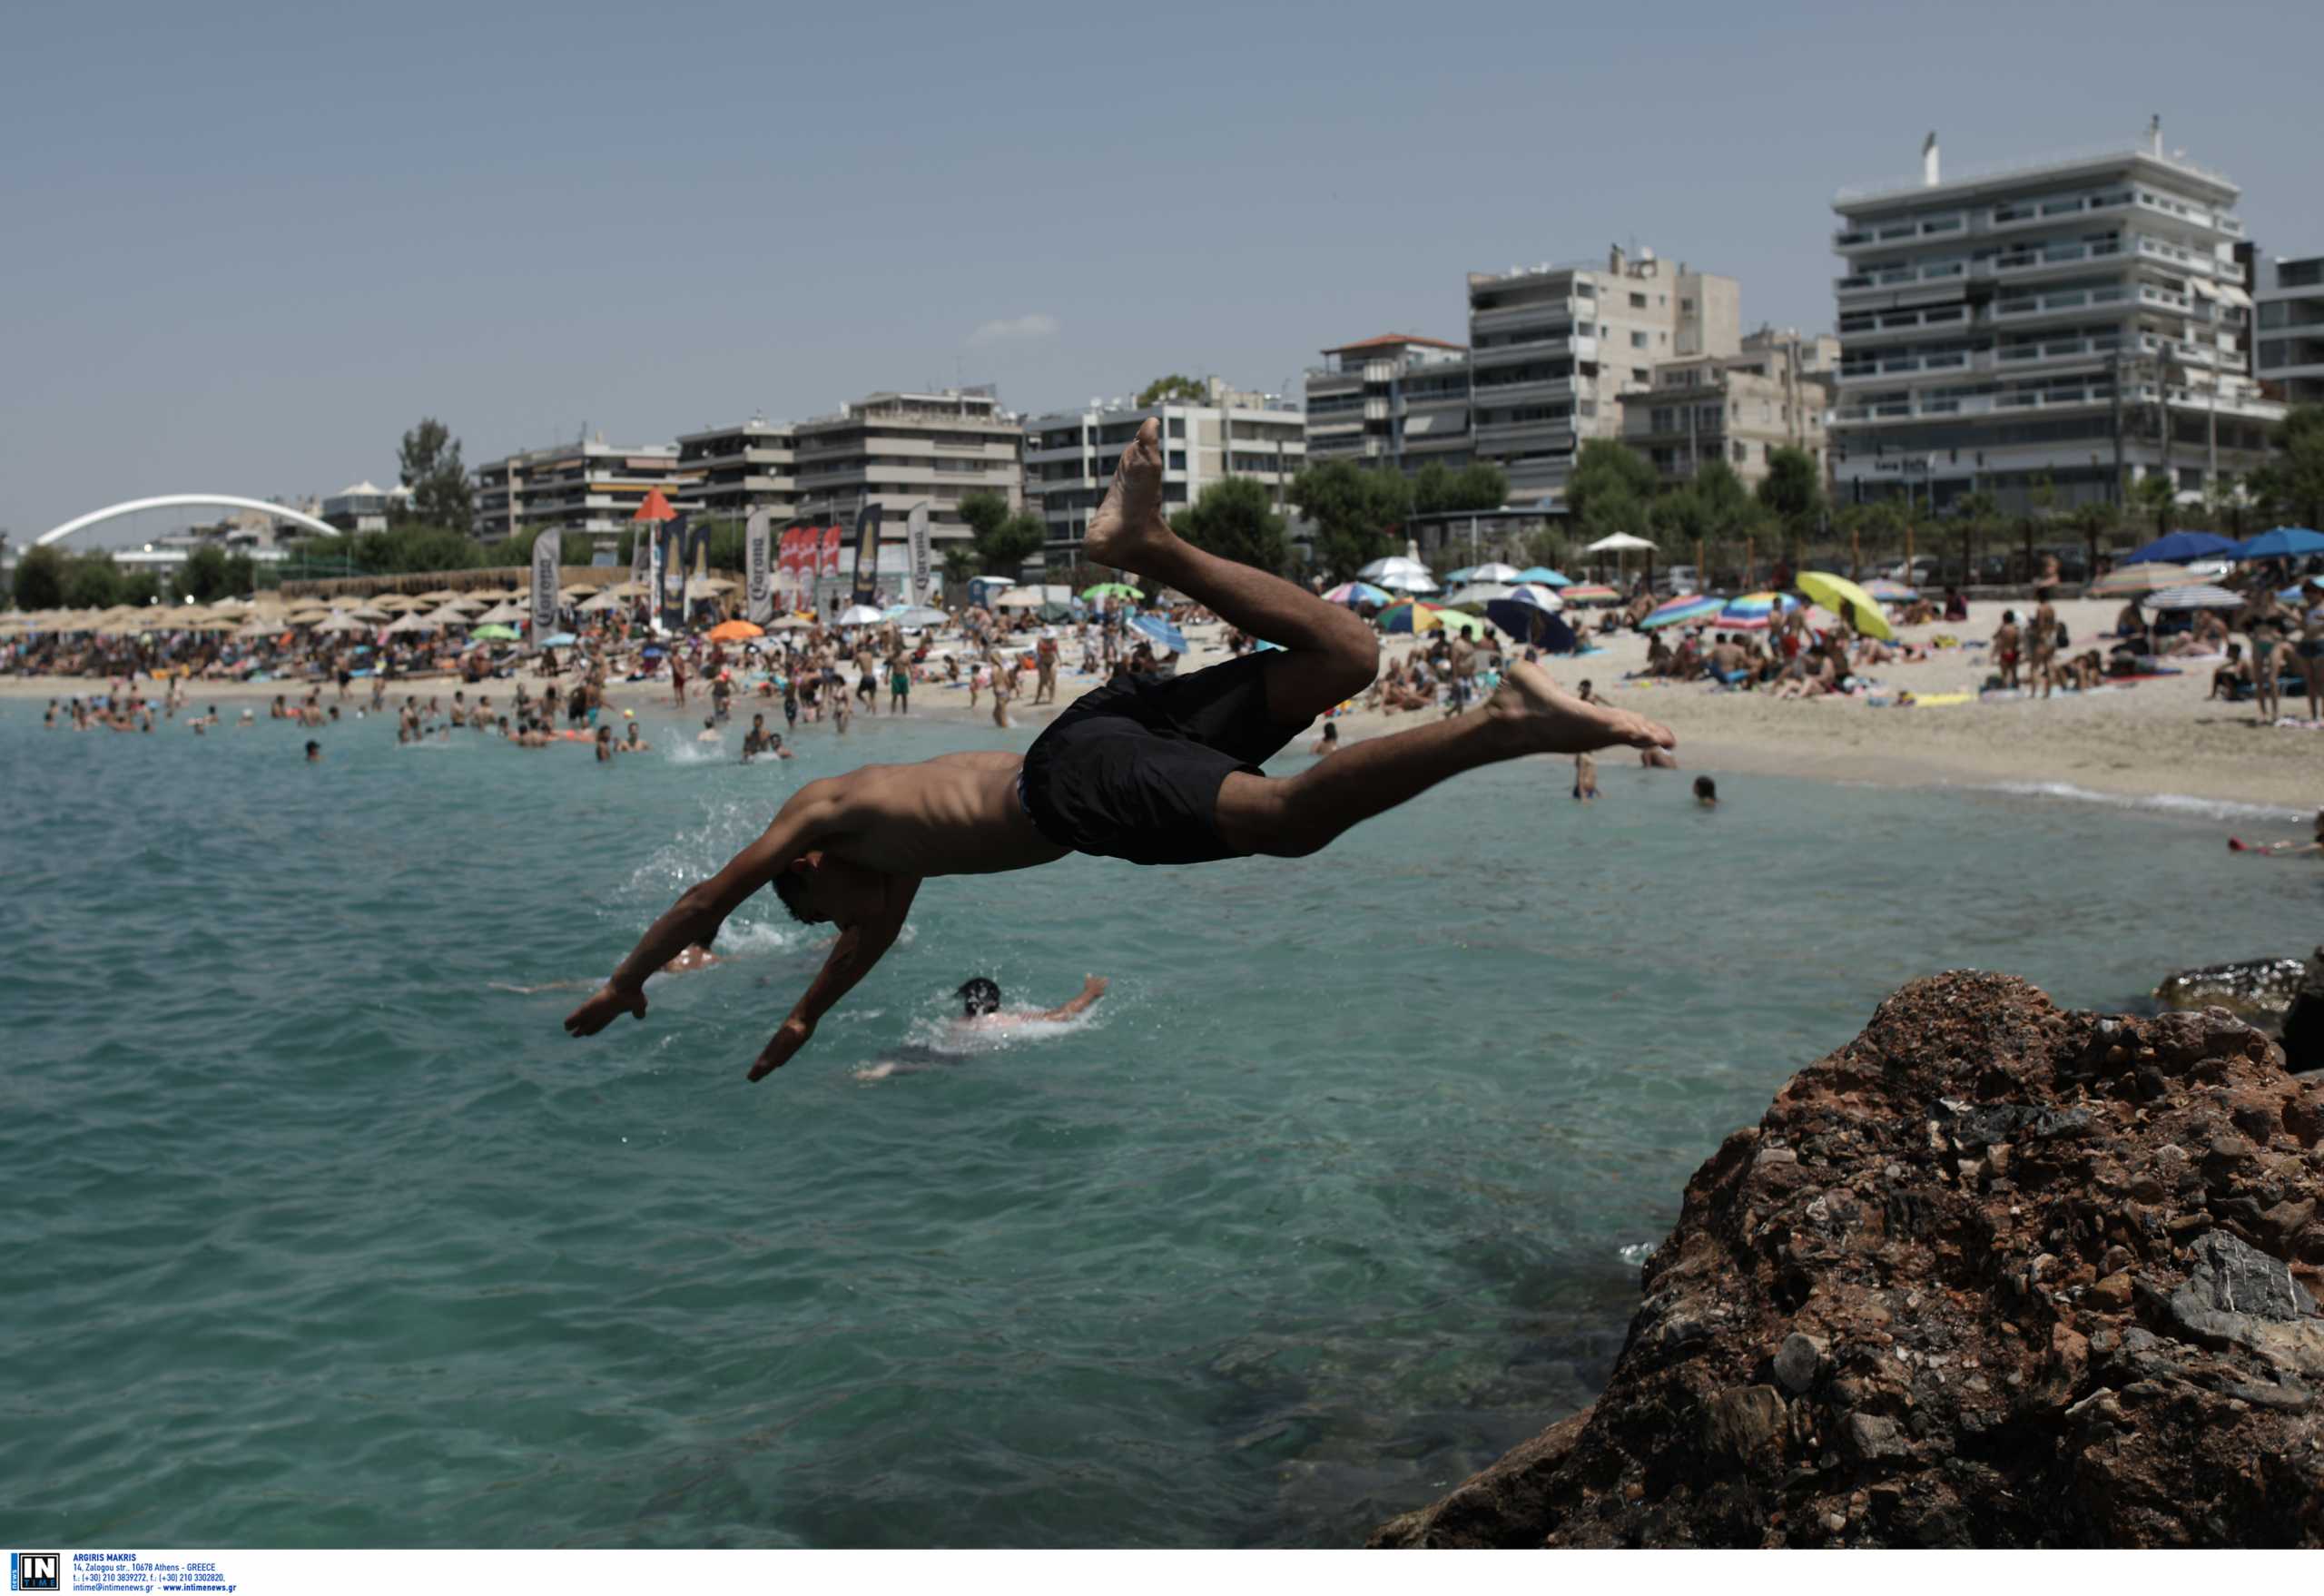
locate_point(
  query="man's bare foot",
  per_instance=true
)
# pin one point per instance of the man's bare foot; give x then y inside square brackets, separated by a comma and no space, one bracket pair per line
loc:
[1127,524]
[1552,721]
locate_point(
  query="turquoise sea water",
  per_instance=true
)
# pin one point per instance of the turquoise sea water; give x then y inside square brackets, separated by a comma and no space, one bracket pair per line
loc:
[318,1238]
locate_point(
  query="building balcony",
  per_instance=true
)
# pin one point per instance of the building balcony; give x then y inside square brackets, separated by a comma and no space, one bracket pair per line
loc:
[2019,215]
[1895,277]
[1538,391]
[1855,238]
[1551,314]
[2019,265]
[1930,406]
[2032,357]
[1553,342]
[1862,327]
[1876,368]
[2076,301]
[1513,434]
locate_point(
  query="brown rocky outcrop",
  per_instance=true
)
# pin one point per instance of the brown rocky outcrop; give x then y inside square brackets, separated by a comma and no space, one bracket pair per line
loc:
[1992,1274]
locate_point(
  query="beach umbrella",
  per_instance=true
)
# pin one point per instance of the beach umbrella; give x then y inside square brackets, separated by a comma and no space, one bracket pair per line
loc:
[1618,543]
[2178,547]
[1461,575]
[416,622]
[916,614]
[2197,596]
[1590,593]
[1840,595]
[1543,573]
[1475,595]
[601,604]
[1529,623]
[559,640]
[1354,593]
[367,613]
[707,586]
[735,632]
[863,615]
[342,624]
[1493,571]
[1111,590]
[654,507]
[503,614]
[494,633]
[2131,581]
[1411,615]
[1408,581]
[577,589]
[1019,598]
[1752,611]
[1538,596]
[438,595]
[1391,564]
[2278,543]
[1677,612]
[790,624]
[1160,632]
[1891,592]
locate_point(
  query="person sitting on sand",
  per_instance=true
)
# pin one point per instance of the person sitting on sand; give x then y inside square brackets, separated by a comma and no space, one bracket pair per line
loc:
[981,1005]
[1956,608]
[1329,742]
[1152,771]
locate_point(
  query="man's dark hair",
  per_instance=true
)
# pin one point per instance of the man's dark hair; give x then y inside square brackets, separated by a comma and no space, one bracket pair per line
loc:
[788,886]
[981,996]
[1706,788]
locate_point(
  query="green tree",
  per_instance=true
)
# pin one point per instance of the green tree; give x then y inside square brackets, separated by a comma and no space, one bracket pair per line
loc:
[2095,522]
[1977,514]
[1162,390]
[1356,513]
[92,581]
[960,562]
[2152,499]
[429,465]
[203,577]
[1610,487]
[142,587]
[1432,489]
[1793,489]
[40,578]
[1004,546]
[2292,484]
[1236,520]
[983,510]
[1480,486]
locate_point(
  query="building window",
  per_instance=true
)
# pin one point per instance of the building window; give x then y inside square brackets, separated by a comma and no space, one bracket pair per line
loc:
[1178,425]
[1638,302]
[1177,459]
[1638,341]
[1686,307]
[1742,450]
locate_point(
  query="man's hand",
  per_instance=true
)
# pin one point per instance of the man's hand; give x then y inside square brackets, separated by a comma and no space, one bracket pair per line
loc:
[600,1010]
[1093,988]
[795,1033]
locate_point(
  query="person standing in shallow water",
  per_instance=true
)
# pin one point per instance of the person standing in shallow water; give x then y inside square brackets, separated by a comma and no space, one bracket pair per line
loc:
[1150,769]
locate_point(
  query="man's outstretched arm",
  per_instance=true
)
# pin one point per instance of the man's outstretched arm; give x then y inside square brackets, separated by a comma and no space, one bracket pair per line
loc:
[860,947]
[1092,989]
[693,920]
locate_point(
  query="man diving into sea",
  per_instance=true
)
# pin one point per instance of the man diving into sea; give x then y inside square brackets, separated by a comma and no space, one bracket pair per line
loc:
[1154,770]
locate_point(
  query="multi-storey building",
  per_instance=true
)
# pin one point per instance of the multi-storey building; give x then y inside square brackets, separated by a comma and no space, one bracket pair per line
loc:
[743,468]
[1069,456]
[1398,400]
[1553,350]
[2289,352]
[1737,408]
[2078,323]
[365,507]
[900,450]
[592,487]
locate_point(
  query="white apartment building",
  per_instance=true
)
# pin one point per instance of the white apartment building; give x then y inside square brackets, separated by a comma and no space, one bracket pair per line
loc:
[2289,354]
[593,488]
[1552,349]
[743,468]
[2079,320]
[365,507]
[1398,399]
[1739,408]
[1069,455]
[899,450]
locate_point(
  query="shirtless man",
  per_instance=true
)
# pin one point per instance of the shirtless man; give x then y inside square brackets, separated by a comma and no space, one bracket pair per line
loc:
[2041,642]
[2007,643]
[1151,770]
[980,1004]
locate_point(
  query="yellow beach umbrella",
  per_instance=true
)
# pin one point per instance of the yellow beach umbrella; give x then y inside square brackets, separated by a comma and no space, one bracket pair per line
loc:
[1846,599]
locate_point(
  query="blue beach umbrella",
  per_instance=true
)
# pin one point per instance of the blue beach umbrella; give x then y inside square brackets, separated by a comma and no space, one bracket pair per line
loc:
[2178,547]
[559,640]
[1156,630]
[1544,575]
[2281,543]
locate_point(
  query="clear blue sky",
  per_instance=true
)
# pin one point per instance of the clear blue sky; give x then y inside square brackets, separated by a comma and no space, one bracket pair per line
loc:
[245,246]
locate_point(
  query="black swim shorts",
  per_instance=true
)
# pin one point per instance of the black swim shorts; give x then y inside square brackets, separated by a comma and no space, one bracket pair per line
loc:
[1132,770]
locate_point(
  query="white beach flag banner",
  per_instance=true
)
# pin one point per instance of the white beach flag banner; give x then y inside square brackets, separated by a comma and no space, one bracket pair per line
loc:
[916,535]
[548,550]
[758,580]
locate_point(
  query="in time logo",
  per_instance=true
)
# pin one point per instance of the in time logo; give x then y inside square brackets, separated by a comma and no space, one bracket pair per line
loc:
[33,1571]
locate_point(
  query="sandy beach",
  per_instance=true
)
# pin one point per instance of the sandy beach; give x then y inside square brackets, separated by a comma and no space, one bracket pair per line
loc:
[2144,740]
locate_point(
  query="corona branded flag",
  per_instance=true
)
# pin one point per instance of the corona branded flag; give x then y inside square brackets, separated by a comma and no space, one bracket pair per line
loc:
[697,560]
[867,552]
[672,600]
[758,570]
[792,557]
[548,551]
[641,557]
[916,533]
[832,538]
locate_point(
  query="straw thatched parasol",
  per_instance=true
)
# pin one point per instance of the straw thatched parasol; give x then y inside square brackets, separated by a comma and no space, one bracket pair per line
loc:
[438,595]
[369,613]
[582,589]
[601,604]
[503,615]
[416,622]
[340,624]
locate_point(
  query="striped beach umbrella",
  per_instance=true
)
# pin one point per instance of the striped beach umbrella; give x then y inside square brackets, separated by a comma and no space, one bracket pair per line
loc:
[1891,592]
[1753,612]
[1677,612]
[1411,615]
[1353,593]
[1590,593]
[2198,595]
[2137,581]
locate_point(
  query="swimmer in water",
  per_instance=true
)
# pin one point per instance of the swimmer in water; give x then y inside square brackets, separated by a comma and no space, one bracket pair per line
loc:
[1707,792]
[1156,769]
[2285,849]
[980,1004]
[1329,742]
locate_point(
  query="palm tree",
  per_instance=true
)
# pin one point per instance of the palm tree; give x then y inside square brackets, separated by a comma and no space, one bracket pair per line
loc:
[2093,520]
[2154,495]
[1977,512]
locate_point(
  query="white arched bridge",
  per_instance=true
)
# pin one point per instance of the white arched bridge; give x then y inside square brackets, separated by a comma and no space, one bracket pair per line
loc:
[170,501]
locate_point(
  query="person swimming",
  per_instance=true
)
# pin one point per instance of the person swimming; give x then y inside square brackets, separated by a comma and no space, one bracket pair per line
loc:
[980,1004]
[1707,792]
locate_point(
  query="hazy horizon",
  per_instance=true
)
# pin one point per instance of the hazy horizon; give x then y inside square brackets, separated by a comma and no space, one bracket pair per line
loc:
[249,253]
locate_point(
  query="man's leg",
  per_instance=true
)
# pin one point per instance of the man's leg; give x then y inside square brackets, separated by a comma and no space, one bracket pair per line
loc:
[1528,714]
[1329,653]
